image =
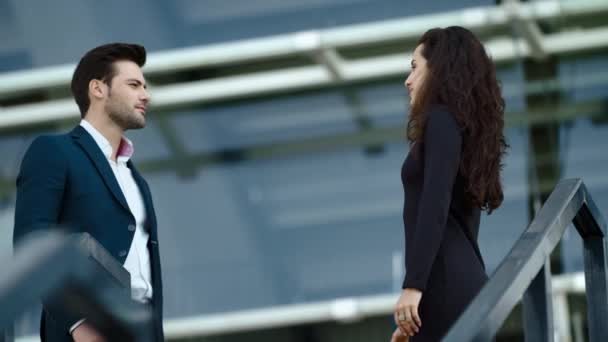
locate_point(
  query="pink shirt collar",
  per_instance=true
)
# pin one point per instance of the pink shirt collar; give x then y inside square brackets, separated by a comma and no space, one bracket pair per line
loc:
[125,149]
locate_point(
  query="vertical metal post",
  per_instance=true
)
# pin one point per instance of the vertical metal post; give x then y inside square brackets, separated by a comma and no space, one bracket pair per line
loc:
[7,335]
[596,287]
[538,307]
[592,228]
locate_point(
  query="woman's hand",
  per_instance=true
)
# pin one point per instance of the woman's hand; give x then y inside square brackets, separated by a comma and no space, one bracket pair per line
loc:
[399,337]
[406,312]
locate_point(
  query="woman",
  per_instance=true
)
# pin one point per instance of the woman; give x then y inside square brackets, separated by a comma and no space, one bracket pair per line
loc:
[451,174]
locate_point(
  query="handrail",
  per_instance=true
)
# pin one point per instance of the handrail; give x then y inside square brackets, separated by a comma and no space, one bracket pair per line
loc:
[77,272]
[525,272]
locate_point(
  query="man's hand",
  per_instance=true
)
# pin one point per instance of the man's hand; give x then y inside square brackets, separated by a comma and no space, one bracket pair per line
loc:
[86,333]
[406,312]
[399,337]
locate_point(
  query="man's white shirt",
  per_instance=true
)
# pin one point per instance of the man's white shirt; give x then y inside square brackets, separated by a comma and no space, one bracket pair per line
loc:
[138,258]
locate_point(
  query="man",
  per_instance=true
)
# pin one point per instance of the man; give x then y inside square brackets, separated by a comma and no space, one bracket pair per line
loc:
[84,181]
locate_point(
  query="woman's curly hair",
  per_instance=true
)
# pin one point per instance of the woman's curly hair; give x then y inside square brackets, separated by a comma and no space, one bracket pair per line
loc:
[462,76]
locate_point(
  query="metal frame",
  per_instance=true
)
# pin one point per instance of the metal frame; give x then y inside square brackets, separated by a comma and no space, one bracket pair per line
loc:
[85,279]
[525,271]
[322,47]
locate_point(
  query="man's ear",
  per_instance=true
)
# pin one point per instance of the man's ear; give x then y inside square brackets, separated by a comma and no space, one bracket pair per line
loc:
[97,89]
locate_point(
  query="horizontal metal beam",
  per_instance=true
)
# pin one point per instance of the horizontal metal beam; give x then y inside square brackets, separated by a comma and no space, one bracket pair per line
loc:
[369,137]
[293,79]
[343,310]
[241,52]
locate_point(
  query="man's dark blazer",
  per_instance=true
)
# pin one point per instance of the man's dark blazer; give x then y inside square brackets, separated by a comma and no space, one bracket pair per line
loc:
[65,180]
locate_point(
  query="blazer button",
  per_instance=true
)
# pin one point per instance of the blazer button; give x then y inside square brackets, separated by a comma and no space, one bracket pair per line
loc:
[122,253]
[131,227]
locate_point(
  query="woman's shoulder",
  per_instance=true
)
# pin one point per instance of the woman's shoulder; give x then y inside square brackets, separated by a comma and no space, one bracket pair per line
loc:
[440,117]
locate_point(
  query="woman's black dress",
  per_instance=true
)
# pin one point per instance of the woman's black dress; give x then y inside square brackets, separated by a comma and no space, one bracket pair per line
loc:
[441,252]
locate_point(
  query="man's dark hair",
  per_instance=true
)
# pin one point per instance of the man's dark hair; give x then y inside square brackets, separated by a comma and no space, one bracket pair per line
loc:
[98,64]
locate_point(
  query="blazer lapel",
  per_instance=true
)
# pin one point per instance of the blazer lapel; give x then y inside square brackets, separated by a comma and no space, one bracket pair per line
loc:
[82,138]
[145,192]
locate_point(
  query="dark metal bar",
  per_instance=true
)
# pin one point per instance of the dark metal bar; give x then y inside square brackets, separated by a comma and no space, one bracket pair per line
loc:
[592,227]
[29,273]
[538,307]
[569,202]
[7,335]
[85,279]
[589,221]
[596,287]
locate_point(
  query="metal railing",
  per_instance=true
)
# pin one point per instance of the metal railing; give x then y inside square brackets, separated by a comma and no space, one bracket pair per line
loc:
[525,273]
[77,273]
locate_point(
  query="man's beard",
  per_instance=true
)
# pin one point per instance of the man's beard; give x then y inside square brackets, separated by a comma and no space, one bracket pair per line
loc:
[123,116]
